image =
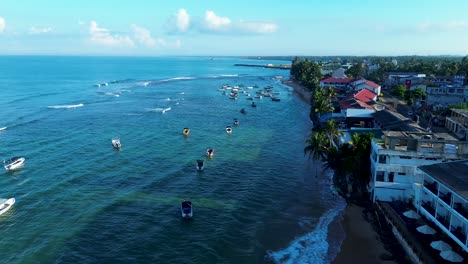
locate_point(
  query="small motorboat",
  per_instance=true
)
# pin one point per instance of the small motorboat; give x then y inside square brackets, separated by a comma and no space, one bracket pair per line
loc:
[236,122]
[228,129]
[14,163]
[275,99]
[186,131]
[116,143]
[200,165]
[186,209]
[254,104]
[243,111]
[5,204]
[209,152]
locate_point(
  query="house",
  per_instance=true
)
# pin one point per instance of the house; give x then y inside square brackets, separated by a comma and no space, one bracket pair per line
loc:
[335,82]
[366,96]
[396,156]
[444,91]
[442,197]
[361,83]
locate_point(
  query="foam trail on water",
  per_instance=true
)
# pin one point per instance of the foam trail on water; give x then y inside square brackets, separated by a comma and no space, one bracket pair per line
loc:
[64,106]
[312,247]
[2,128]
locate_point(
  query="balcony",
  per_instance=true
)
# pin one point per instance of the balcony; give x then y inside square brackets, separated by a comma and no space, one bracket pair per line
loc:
[447,198]
[460,209]
[431,186]
[429,208]
[443,220]
[459,233]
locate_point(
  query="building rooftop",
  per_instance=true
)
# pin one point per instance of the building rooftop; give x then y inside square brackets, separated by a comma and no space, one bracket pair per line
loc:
[452,174]
[389,120]
[336,80]
[365,95]
[372,84]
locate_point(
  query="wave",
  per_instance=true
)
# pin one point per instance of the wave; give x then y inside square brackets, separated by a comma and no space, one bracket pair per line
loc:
[312,247]
[159,109]
[64,106]
[2,128]
[112,94]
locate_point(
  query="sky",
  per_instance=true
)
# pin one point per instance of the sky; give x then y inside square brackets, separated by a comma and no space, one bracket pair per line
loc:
[234,27]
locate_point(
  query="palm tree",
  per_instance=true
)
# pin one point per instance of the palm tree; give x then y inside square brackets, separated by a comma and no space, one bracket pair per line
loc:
[317,145]
[332,131]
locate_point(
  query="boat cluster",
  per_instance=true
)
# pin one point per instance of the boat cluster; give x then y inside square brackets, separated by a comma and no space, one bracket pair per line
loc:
[234,91]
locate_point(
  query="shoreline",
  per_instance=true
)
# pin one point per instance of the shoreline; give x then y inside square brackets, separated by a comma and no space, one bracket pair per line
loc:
[361,243]
[299,89]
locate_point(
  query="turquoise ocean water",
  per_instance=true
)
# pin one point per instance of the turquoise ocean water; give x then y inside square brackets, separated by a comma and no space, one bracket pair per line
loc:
[80,201]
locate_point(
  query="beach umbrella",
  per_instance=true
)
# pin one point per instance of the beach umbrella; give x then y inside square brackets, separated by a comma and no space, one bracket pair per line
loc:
[440,245]
[425,229]
[411,214]
[451,256]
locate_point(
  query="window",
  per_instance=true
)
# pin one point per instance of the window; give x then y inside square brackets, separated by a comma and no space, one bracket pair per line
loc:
[380,176]
[383,159]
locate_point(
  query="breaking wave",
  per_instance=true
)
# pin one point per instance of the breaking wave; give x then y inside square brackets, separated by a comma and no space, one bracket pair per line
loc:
[159,109]
[65,106]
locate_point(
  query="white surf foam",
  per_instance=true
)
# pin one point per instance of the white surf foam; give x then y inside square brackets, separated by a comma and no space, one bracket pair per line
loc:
[65,106]
[158,109]
[113,94]
[2,128]
[312,247]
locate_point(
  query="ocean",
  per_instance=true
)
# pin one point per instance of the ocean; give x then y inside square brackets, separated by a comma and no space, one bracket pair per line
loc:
[258,200]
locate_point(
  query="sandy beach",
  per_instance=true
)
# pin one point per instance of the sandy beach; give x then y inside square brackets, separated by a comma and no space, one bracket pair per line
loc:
[362,243]
[303,93]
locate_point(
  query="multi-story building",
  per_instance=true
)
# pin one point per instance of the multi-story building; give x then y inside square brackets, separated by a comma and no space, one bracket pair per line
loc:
[443,198]
[395,157]
[457,123]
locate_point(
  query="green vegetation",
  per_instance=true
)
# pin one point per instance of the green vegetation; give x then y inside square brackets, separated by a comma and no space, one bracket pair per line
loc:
[401,92]
[463,106]
[307,72]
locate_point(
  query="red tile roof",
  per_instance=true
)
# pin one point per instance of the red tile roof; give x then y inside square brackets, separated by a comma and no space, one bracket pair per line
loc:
[365,95]
[336,80]
[372,84]
[353,103]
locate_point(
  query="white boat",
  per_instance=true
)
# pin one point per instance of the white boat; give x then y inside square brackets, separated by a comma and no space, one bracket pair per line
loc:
[14,163]
[209,152]
[5,204]
[186,209]
[228,129]
[200,165]
[116,143]
[236,122]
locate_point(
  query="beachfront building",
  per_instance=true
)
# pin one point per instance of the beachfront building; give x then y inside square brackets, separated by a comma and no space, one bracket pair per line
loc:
[335,82]
[457,123]
[396,78]
[396,156]
[443,198]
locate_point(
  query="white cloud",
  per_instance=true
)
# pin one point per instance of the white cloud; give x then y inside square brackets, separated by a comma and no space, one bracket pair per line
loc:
[179,22]
[2,24]
[102,36]
[39,30]
[257,27]
[453,25]
[143,36]
[216,23]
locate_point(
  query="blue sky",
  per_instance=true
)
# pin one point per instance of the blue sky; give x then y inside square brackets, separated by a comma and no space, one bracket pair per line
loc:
[234,27]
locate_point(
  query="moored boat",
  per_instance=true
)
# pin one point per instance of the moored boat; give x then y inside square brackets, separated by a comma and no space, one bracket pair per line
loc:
[254,104]
[200,165]
[186,209]
[236,122]
[186,131]
[5,204]
[228,129]
[116,143]
[209,152]
[243,111]
[14,163]
[275,99]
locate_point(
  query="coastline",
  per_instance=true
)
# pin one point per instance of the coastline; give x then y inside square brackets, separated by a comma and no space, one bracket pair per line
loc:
[361,243]
[303,93]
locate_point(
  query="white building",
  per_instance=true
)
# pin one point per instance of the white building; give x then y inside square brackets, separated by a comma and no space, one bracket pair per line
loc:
[443,198]
[457,123]
[445,95]
[361,83]
[394,160]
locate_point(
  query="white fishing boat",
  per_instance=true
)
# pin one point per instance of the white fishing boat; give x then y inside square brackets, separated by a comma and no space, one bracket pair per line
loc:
[14,163]
[209,152]
[116,143]
[5,204]
[228,129]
